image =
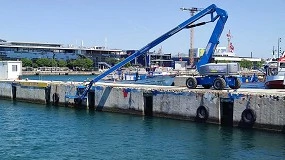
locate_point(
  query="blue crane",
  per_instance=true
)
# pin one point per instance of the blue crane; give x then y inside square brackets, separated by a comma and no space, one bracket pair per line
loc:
[214,12]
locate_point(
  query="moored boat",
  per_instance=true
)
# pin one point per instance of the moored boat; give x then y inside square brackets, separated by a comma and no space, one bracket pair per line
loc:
[275,74]
[162,80]
[144,77]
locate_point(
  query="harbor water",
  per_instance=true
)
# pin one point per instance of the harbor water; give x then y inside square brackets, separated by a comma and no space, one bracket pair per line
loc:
[34,131]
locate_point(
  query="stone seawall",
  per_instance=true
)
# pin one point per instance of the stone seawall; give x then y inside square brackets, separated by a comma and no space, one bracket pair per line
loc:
[252,108]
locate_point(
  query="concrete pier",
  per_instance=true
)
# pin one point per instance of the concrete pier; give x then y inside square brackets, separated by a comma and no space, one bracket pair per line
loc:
[252,108]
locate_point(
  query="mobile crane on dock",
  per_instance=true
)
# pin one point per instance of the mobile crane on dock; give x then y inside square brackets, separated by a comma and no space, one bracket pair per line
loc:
[216,75]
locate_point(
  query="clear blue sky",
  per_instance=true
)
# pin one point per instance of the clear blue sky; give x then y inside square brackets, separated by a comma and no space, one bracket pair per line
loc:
[255,25]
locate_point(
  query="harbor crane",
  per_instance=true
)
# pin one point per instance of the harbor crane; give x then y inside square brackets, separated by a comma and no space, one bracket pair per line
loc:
[192,11]
[216,75]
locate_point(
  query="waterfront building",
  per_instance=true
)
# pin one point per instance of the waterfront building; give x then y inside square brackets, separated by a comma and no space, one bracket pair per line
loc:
[220,54]
[11,50]
[151,59]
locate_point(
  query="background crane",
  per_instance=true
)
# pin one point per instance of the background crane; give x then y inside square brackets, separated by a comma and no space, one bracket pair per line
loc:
[192,11]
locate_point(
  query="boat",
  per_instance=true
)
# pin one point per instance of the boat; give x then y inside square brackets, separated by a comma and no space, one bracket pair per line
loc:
[151,77]
[161,80]
[275,74]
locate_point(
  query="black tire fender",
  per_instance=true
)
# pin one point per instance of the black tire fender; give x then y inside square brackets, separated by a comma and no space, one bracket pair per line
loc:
[202,113]
[55,98]
[248,116]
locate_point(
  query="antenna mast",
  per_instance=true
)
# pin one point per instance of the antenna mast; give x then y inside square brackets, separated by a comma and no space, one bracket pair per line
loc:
[192,11]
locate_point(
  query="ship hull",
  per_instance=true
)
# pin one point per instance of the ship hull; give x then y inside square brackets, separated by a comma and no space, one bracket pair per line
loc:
[274,84]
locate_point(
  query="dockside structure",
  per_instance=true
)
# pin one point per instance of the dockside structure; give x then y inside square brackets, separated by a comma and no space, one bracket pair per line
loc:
[11,50]
[251,108]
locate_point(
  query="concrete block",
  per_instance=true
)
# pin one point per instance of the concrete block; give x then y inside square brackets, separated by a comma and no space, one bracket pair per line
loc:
[6,89]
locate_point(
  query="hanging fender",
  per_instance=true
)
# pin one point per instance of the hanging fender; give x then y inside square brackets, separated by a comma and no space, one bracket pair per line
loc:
[202,113]
[248,116]
[55,98]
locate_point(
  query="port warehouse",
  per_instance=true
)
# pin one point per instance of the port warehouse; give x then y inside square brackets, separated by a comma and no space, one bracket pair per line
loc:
[249,108]
[31,50]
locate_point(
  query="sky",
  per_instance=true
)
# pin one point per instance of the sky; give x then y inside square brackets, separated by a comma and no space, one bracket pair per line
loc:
[255,25]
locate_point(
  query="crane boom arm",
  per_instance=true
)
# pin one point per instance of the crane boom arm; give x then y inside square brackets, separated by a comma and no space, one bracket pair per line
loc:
[214,39]
[212,43]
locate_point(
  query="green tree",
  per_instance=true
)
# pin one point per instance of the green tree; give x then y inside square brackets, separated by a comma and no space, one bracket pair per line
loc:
[43,62]
[71,64]
[260,64]
[82,64]
[88,63]
[27,62]
[78,63]
[62,63]
[53,63]
[112,61]
[246,64]
[35,65]
[223,61]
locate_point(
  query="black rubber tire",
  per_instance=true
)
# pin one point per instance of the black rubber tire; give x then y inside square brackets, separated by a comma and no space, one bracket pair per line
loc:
[202,113]
[55,98]
[237,84]
[248,116]
[191,83]
[206,86]
[77,101]
[219,83]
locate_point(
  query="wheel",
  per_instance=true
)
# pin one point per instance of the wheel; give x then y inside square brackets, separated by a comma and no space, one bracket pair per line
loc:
[237,84]
[191,83]
[207,86]
[219,83]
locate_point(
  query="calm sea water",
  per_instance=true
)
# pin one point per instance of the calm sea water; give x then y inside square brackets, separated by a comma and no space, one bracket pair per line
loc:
[33,131]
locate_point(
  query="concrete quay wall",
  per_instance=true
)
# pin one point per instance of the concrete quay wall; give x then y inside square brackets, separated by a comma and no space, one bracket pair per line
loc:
[253,108]
[6,90]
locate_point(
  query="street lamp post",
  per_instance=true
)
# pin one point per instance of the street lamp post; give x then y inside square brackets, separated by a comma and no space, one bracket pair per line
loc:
[192,10]
[53,56]
[279,48]
[278,51]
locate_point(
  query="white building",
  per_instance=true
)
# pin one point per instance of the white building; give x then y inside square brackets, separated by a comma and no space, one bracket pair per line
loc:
[219,52]
[180,65]
[10,70]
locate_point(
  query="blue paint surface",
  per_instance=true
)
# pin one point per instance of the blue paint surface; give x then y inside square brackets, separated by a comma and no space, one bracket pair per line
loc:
[235,95]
